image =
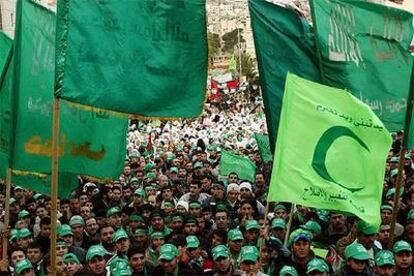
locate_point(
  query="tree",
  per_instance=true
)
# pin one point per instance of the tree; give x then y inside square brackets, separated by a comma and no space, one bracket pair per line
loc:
[213,45]
[231,39]
[248,68]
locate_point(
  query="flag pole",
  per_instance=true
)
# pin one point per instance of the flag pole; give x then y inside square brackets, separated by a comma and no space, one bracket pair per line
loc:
[265,225]
[289,225]
[54,187]
[7,213]
[402,158]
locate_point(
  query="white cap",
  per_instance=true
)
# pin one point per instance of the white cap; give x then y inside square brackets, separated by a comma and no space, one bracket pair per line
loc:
[233,187]
[183,204]
[246,185]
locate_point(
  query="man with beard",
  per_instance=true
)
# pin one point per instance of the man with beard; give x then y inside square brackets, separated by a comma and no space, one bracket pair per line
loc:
[65,233]
[137,262]
[169,262]
[105,238]
[157,224]
[222,262]
[121,243]
[235,241]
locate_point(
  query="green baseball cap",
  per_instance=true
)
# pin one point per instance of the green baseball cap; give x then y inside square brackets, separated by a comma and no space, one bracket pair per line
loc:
[356,251]
[168,252]
[410,215]
[61,243]
[278,223]
[157,234]
[136,217]
[112,211]
[23,265]
[23,233]
[141,231]
[318,265]
[280,207]
[198,165]
[384,257]
[220,251]
[391,192]
[252,224]
[401,246]
[192,242]
[177,217]
[95,250]
[23,214]
[366,228]
[174,170]
[37,196]
[288,270]
[169,204]
[194,204]
[120,267]
[300,234]
[133,180]
[313,227]
[76,220]
[149,166]
[139,192]
[249,253]
[234,235]
[119,234]
[151,175]
[12,200]
[70,258]
[65,230]
[386,207]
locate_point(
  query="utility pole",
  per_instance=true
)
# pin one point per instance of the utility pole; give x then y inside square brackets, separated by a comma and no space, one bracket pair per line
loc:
[1,20]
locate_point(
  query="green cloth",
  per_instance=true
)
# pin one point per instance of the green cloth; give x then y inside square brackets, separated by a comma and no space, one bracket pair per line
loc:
[356,251]
[168,252]
[324,134]
[401,246]
[384,257]
[263,146]
[141,57]
[318,265]
[91,142]
[249,253]
[284,43]
[364,49]
[243,166]
[220,251]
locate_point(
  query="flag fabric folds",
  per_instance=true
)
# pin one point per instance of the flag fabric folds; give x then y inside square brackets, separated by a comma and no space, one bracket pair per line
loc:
[243,166]
[364,49]
[90,142]
[284,44]
[263,146]
[147,58]
[331,151]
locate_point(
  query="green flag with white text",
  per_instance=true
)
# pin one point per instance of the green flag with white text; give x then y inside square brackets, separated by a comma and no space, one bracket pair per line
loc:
[242,165]
[145,57]
[331,151]
[91,141]
[364,49]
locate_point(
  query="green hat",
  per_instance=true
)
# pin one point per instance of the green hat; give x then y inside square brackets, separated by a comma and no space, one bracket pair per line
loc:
[65,230]
[119,234]
[23,265]
[252,224]
[112,211]
[169,204]
[149,166]
[386,207]
[174,170]
[249,253]
[136,217]
[190,219]
[288,270]
[24,233]
[139,192]
[318,265]
[95,250]
[220,251]
[168,252]
[150,187]
[279,206]
[141,231]
[192,242]
[170,156]
[198,165]
[234,235]
[410,215]
[177,217]
[156,214]
[323,215]
[384,257]
[70,258]
[401,246]
[391,192]
[14,235]
[23,214]
[37,196]
[313,227]
[278,223]
[133,179]
[61,243]
[194,204]
[120,267]
[157,234]
[356,251]
[76,220]
[12,200]
[300,234]
[365,228]
[151,175]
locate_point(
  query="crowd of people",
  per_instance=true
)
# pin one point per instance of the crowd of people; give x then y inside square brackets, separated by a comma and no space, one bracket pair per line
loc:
[172,213]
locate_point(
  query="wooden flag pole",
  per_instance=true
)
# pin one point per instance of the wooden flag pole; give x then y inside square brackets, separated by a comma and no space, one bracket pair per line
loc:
[7,213]
[402,158]
[265,225]
[289,225]
[54,187]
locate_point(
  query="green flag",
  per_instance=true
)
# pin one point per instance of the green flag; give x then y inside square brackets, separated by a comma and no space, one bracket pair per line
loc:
[364,49]
[5,92]
[232,64]
[243,166]
[331,151]
[140,57]
[284,44]
[90,142]
[263,146]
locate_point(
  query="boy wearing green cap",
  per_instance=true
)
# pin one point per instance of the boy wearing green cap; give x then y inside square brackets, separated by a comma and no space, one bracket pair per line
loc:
[403,258]
[222,261]
[169,262]
[24,268]
[72,264]
[235,241]
[384,263]
[249,261]
[357,260]
[194,253]
[317,267]
[95,261]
